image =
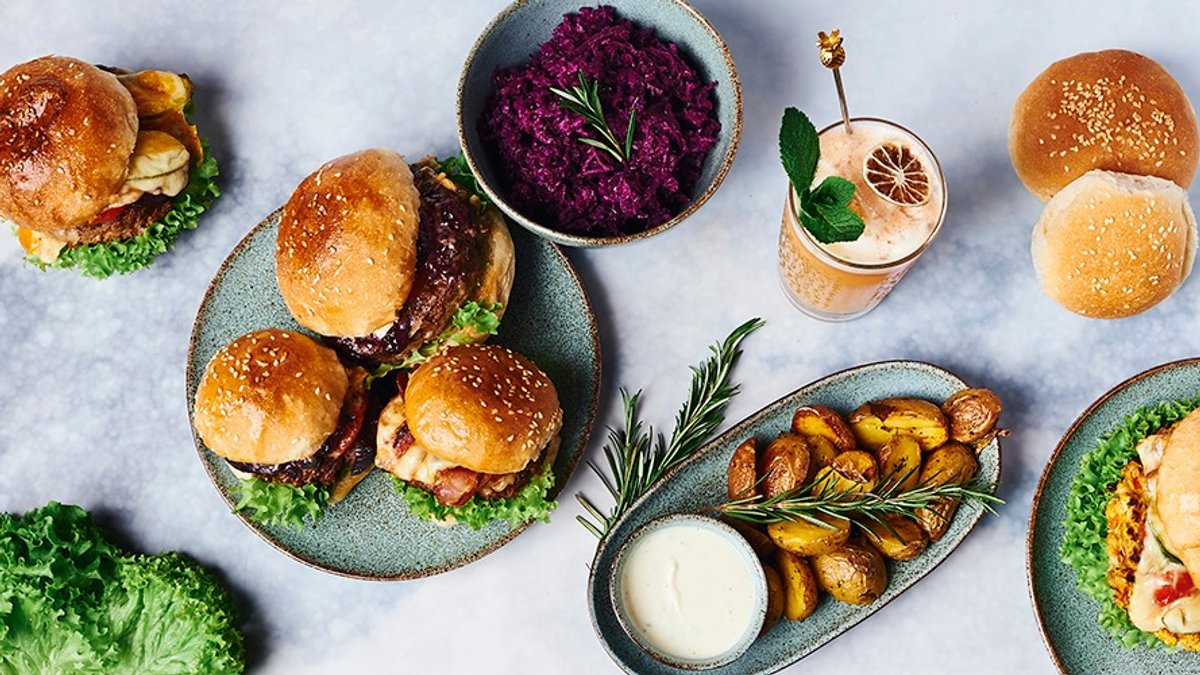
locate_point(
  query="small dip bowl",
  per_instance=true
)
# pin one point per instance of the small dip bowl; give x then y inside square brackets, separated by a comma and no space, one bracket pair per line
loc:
[517,33]
[744,554]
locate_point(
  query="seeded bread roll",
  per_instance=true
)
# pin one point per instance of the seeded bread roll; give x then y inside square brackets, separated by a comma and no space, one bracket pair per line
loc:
[1111,245]
[1114,110]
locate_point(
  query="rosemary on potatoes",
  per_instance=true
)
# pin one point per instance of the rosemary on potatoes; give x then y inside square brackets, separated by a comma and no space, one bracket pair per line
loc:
[638,457]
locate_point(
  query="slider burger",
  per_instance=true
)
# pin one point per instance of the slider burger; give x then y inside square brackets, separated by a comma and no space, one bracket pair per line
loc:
[100,168]
[392,261]
[286,414]
[471,437]
[1154,535]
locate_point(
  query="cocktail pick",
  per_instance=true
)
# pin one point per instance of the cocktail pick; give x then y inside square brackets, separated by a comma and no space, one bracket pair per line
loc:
[833,55]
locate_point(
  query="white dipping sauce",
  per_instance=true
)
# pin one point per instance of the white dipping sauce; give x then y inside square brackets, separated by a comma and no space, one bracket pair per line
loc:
[688,591]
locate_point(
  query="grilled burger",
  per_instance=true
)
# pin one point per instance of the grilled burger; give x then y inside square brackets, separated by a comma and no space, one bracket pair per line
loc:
[91,156]
[280,407]
[1154,535]
[471,435]
[391,260]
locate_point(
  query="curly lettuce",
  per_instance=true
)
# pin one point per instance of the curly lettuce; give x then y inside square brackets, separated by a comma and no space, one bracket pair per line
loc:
[102,260]
[279,504]
[73,603]
[1084,546]
[528,504]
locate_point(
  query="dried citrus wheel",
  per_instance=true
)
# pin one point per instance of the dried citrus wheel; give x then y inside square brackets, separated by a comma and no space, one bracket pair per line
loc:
[894,173]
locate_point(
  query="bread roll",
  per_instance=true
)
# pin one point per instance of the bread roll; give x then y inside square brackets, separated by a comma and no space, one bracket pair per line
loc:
[1114,110]
[1111,245]
[1178,497]
[67,131]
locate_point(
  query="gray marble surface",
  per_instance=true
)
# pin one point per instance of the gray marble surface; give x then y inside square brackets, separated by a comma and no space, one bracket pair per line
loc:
[91,386]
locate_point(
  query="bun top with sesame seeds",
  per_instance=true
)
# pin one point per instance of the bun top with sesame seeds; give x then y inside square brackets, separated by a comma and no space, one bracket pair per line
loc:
[346,253]
[482,407]
[1115,110]
[67,131]
[1111,245]
[269,397]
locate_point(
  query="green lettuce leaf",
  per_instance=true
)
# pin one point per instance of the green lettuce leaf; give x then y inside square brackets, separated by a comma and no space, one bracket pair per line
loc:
[142,613]
[528,504]
[457,170]
[38,639]
[1084,545]
[472,323]
[121,257]
[280,504]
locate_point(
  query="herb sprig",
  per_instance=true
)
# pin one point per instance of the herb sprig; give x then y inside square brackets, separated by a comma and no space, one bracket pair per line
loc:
[638,457]
[824,210]
[822,497]
[584,100]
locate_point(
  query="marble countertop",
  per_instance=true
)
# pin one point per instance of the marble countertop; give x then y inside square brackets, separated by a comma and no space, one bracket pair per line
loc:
[92,383]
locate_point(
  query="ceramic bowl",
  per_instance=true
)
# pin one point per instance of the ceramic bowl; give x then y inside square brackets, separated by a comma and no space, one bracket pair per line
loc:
[748,557]
[519,30]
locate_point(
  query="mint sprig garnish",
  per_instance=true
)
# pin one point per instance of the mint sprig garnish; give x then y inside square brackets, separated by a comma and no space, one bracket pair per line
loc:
[824,210]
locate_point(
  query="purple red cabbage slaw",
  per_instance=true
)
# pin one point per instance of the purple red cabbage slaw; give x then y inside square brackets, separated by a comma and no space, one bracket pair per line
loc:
[554,179]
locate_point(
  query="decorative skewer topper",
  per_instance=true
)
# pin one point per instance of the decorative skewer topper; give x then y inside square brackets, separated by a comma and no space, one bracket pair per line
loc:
[833,55]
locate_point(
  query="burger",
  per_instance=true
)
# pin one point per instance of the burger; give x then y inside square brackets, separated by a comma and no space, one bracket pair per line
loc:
[392,261]
[471,436]
[100,168]
[288,417]
[1153,538]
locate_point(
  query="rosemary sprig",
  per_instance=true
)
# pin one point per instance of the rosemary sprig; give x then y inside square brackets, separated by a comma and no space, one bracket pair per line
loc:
[637,457]
[823,498]
[584,100]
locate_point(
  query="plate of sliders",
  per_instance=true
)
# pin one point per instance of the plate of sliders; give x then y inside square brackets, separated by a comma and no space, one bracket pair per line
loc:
[384,381]
[1114,536]
[798,523]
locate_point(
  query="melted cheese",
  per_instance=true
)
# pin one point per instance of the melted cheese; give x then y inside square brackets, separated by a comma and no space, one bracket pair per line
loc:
[159,165]
[1155,568]
[415,465]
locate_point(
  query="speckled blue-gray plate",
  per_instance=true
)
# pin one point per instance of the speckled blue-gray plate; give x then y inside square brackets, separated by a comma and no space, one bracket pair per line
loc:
[1066,615]
[701,482]
[371,534]
[517,32]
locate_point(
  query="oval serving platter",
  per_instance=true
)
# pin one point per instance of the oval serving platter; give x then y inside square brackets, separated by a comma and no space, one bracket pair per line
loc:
[700,482]
[1066,615]
[371,534]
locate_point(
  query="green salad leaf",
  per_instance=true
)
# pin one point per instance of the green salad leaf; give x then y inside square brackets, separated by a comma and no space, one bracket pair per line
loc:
[473,322]
[528,504]
[73,603]
[280,504]
[1084,545]
[824,210]
[457,170]
[122,257]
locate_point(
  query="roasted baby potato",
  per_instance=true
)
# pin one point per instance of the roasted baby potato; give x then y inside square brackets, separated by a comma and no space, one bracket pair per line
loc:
[776,596]
[804,538]
[899,539]
[821,452]
[743,470]
[816,420]
[951,463]
[854,471]
[875,423]
[853,573]
[783,465]
[900,461]
[763,545]
[800,586]
[972,414]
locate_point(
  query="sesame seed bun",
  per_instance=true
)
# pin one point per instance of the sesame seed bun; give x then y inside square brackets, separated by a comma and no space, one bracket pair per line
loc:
[1177,501]
[346,252]
[482,407]
[67,131]
[1114,110]
[1111,245]
[269,397]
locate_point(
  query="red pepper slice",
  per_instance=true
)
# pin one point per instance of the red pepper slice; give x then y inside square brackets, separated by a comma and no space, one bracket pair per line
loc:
[108,215]
[1176,585]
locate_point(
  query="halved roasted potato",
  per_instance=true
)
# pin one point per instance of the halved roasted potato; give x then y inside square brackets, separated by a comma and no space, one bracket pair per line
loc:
[897,537]
[875,423]
[776,596]
[800,586]
[783,465]
[951,463]
[817,420]
[821,452]
[854,471]
[900,461]
[805,538]
[972,414]
[853,573]
[743,470]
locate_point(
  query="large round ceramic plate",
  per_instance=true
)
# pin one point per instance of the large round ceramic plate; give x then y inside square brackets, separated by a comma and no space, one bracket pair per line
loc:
[700,482]
[371,534]
[1067,616]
